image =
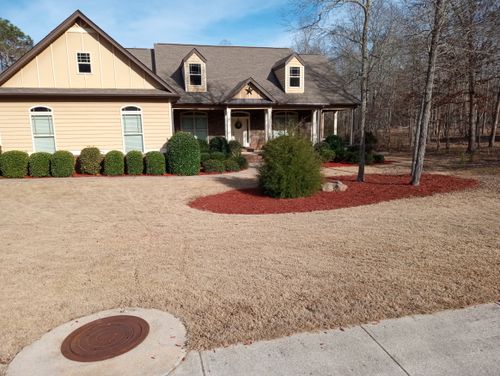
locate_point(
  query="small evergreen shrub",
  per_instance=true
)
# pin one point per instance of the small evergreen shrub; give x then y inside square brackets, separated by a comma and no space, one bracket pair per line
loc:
[231,165]
[62,164]
[370,142]
[204,148]
[234,148]
[242,162]
[213,165]
[134,163]
[369,160]
[337,145]
[218,155]
[114,163]
[291,168]
[89,161]
[352,157]
[39,164]
[219,144]
[155,163]
[183,154]
[204,157]
[14,164]
[378,158]
[326,154]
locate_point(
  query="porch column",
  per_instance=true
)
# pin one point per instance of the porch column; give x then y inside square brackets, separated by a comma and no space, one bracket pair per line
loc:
[268,125]
[322,125]
[335,113]
[227,119]
[314,127]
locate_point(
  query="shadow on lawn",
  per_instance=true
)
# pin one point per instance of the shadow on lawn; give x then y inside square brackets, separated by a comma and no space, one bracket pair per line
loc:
[237,182]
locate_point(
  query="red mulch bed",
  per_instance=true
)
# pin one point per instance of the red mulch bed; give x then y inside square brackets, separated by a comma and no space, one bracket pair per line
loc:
[377,188]
[345,164]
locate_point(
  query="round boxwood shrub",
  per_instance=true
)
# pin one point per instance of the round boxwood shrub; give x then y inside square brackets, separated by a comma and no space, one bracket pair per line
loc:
[231,165]
[89,161]
[155,163]
[204,148]
[39,164]
[204,157]
[234,148]
[62,164]
[219,144]
[183,154]
[213,165]
[242,162]
[290,168]
[218,155]
[134,162]
[14,164]
[114,163]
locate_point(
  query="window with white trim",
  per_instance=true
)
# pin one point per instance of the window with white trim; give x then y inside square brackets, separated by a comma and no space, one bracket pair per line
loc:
[83,60]
[195,74]
[42,125]
[195,123]
[133,136]
[283,121]
[295,77]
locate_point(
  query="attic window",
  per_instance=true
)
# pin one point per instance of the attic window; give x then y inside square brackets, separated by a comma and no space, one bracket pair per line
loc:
[195,74]
[83,59]
[294,76]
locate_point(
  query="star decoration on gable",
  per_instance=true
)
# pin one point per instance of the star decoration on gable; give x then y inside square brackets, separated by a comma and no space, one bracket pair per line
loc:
[249,90]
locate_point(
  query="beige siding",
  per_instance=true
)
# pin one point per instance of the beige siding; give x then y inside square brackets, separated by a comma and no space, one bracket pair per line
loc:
[292,90]
[81,124]
[243,93]
[194,58]
[56,66]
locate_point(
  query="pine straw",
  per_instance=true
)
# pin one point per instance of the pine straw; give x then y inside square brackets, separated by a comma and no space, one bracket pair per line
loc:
[71,247]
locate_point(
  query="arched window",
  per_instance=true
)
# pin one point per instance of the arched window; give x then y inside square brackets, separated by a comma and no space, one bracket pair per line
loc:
[196,123]
[283,121]
[133,137]
[42,125]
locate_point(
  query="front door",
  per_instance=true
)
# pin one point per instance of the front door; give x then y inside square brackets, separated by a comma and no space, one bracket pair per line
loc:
[241,129]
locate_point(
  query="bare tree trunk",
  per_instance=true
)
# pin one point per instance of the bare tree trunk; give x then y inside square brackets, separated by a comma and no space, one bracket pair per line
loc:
[417,137]
[439,6]
[471,147]
[495,122]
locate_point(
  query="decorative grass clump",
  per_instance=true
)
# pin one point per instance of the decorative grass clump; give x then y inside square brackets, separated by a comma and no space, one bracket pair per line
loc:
[183,154]
[155,163]
[242,162]
[291,168]
[114,163]
[213,165]
[62,164]
[134,162]
[89,161]
[39,164]
[234,148]
[14,164]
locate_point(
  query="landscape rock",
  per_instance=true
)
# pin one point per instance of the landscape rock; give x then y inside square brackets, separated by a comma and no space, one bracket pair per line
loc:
[334,186]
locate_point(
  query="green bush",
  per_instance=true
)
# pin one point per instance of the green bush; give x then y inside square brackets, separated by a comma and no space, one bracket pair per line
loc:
[62,164]
[204,148]
[14,164]
[290,168]
[114,163]
[337,145]
[370,142]
[220,156]
[242,162]
[219,144]
[369,160]
[378,158]
[155,163]
[234,148]
[134,162]
[352,157]
[326,154]
[213,165]
[183,154]
[39,164]
[89,161]
[204,157]
[231,165]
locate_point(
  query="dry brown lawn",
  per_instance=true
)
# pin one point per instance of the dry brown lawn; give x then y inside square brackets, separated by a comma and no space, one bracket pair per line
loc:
[71,247]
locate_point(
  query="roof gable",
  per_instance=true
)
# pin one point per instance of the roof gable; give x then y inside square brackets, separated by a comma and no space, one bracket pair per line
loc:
[194,51]
[287,59]
[249,90]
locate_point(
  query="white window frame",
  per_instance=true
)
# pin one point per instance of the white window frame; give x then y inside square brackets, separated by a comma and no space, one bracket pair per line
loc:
[135,112]
[30,115]
[290,76]
[194,114]
[286,114]
[190,74]
[78,63]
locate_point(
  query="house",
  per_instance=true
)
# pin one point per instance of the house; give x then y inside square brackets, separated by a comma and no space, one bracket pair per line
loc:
[78,87]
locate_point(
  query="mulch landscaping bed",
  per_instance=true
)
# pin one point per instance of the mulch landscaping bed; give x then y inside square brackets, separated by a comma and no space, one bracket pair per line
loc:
[376,188]
[346,164]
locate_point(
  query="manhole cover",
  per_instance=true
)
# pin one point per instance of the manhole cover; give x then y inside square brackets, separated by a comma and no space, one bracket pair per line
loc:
[105,338]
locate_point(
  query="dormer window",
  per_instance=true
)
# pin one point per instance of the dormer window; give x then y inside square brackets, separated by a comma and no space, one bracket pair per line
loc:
[83,60]
[195,74]
[294,76]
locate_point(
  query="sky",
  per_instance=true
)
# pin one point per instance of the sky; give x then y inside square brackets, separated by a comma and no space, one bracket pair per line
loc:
[143,23]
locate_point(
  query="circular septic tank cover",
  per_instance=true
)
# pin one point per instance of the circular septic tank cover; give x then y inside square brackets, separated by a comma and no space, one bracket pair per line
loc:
[105,338]
[125,342]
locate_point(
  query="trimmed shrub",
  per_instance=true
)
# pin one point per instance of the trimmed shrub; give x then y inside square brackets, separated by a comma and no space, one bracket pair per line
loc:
[369,160]
[326,154]
[242,162]
[352,157]
[291,168]
[378,158]
[39,164]
[370,142]
[231,165]
[183,154]
[134,162]
[155,163]
[14,164]
[219,144]
[62,164]
[234,148]
[337,145]
[114,163]
[89,161]
[204,148]
[213,165]
[204,157]
[218,156]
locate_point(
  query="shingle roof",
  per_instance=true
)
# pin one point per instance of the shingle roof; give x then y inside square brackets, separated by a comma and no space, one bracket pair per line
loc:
[228,66]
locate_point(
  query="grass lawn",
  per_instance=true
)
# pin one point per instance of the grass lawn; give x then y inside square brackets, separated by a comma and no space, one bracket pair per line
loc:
[71,247]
